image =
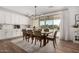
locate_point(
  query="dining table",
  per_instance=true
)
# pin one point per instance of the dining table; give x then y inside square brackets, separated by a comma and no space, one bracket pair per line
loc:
[45,34]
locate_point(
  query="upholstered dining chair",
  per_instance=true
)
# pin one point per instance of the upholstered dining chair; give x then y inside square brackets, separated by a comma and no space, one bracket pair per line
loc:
[53,38]
[29,34]
[24,33]
[38,37]
[46,30]
[39,29]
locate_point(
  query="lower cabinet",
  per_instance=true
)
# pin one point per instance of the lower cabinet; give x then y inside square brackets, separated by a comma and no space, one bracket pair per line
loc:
[6,34]
[2,34]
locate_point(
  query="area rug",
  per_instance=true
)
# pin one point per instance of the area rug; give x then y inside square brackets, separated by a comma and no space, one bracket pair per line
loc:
[32,48]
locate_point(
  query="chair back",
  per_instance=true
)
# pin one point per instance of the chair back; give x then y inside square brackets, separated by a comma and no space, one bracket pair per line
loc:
[29,31]
[55,33]
[46,30]
[37,33]
[24,32]
[39,29]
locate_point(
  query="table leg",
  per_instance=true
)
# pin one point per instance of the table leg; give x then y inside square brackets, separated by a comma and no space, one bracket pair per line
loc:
[44,41]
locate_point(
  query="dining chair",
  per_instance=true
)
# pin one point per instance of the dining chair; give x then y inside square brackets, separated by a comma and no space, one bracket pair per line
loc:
[53,38]
[29,34]
[24,33]
[46,30]
[38,37]
[39,29]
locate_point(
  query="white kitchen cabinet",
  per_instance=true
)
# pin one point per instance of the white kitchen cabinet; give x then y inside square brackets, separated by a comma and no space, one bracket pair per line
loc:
[2,17]
[19,19]
[8,20]
[2,34]
[13,19]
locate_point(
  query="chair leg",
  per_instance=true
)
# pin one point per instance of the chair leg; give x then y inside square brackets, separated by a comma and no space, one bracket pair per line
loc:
[35,41]
[28,39]
[54,44]
[40,43]
[44,42]
[47,41]
[32,40]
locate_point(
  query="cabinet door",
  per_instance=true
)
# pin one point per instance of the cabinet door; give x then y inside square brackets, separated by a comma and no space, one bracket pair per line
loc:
[2,17]
[9,33]
[7,18]
[13,19]
[21,20]
[2,34]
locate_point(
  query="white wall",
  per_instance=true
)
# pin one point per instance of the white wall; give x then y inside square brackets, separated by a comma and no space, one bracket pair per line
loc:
[73,11]
[68,22]
[8,19]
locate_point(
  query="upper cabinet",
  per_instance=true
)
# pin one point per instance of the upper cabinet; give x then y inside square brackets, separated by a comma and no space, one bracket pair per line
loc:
[7,17]
[2,17]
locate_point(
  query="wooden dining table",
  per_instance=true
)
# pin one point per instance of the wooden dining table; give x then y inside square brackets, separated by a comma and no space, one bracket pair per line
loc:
[45,34]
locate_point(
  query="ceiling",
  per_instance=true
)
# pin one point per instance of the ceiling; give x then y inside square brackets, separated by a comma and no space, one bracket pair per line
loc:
[30,10]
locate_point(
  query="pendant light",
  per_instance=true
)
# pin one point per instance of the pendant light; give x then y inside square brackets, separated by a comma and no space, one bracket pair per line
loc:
[35,11]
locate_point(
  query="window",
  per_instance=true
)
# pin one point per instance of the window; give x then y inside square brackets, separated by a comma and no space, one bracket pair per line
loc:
[49,22]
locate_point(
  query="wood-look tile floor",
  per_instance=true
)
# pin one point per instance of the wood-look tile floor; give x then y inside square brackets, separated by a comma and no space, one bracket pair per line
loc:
[8,47]
[21,46]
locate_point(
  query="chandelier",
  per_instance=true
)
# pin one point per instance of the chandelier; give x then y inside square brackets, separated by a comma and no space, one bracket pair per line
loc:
[35,11]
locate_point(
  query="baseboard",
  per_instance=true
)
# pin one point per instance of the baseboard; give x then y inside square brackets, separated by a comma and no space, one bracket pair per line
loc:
[67,40]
